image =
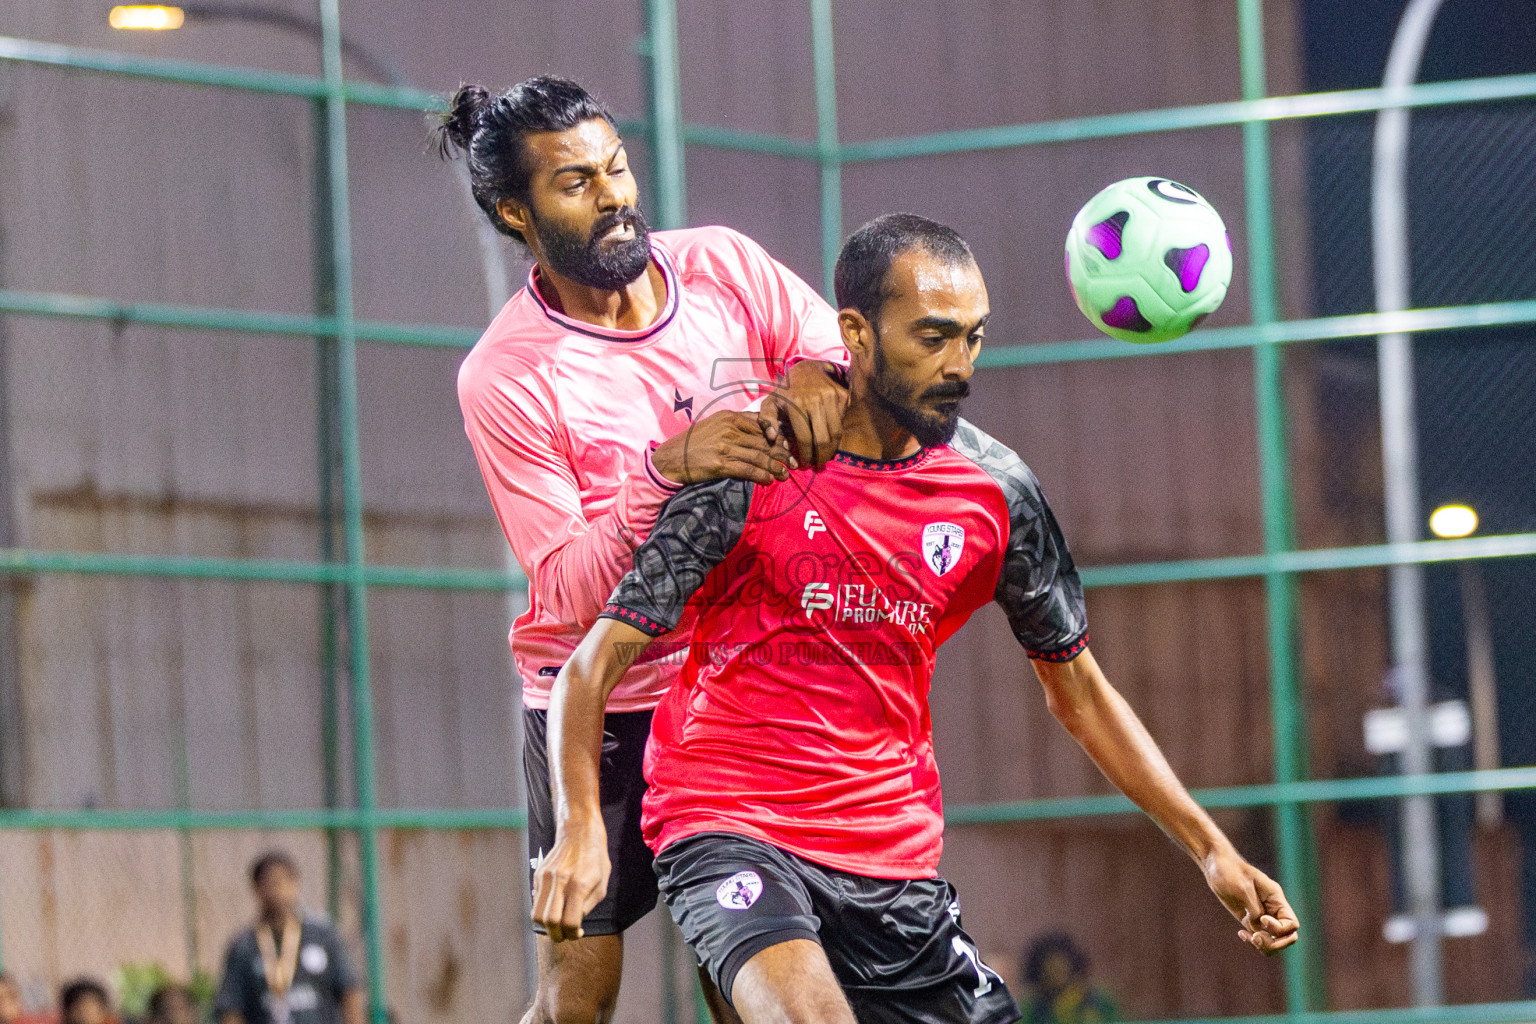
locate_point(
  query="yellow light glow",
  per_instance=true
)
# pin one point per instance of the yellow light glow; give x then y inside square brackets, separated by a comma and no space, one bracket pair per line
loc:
[1453,521]
[157,19]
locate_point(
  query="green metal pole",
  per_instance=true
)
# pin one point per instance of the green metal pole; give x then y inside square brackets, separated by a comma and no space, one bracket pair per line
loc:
[352,506]
[1298,858]
[184,836]
[668,165]
[332,595]
[828,156]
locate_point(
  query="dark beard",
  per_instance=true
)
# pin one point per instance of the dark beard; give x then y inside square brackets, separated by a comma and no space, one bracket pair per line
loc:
[586,261]
[929,427]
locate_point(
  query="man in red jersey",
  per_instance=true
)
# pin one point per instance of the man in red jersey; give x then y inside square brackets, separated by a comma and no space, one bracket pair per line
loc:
[794,798]
[621,372]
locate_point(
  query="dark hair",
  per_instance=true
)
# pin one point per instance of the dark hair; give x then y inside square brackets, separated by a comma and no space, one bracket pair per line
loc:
[489,131]
[162,995]
[859,279]
[269,860]
[1052,944]
[75,991]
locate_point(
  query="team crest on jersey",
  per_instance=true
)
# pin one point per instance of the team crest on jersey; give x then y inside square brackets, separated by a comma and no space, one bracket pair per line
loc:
[739,891]
[942,543]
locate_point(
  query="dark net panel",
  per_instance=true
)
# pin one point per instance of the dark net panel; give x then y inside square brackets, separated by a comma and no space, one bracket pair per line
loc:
[1471,202]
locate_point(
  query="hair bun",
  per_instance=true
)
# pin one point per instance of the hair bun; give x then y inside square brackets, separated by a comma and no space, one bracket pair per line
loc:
[465,111]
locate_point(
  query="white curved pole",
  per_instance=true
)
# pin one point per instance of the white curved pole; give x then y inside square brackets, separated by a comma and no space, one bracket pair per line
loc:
[1399,444]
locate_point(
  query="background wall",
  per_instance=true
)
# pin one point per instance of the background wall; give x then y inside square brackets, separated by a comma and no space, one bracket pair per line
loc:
[137,694]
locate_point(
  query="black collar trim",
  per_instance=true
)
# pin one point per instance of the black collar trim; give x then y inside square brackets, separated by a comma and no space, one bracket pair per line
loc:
[882,465]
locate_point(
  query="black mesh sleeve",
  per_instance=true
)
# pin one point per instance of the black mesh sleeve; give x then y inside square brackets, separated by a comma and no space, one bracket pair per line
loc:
[697,528]
[1038,586]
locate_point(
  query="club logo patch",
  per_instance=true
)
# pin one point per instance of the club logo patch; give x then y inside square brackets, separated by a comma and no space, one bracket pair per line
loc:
[739,891]
[942,544]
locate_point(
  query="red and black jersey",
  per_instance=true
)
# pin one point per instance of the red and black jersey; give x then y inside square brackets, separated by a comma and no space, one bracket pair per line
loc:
[807,615]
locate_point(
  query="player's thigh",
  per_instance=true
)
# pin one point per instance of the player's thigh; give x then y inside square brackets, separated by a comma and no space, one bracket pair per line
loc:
[902,957]
[621,786]
[578,980]
[790,982]
[734,897]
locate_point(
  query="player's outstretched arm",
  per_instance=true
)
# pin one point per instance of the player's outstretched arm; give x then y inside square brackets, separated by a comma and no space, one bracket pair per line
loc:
[573,876]
[1101,721]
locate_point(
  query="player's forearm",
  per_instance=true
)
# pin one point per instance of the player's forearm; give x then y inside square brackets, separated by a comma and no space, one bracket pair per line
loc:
[576,704]
[1106,727]
[574,581]
[572,578]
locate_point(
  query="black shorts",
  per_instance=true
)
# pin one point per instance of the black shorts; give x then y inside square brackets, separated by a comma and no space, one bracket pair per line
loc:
[632,879]
[896,947]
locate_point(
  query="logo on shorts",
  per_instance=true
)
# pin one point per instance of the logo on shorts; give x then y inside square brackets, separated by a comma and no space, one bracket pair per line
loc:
[942,543]
[739,891]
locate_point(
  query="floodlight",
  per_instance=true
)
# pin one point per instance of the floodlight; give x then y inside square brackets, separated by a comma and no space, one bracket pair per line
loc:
[1453,521]
[144,17]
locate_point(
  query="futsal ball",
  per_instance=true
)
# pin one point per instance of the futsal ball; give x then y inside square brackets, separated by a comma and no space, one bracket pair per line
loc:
[1148,259]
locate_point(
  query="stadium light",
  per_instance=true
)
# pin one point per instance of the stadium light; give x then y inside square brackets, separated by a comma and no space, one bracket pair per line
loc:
[1453,521]
[142,17]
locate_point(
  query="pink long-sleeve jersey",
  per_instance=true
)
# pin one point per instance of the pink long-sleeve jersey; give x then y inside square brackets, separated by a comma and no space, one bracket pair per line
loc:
[563,415]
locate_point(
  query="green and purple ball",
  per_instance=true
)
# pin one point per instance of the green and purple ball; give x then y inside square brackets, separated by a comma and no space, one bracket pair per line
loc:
[1148,259]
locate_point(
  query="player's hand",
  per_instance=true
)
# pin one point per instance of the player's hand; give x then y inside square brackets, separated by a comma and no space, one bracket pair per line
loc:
[724,444]
[1268,923]
[571,879]
[810,406]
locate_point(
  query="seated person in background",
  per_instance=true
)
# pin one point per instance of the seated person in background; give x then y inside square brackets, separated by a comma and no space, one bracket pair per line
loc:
[10,1000]
[172,1004]
[85,1001]
[288,968]
[1060,990]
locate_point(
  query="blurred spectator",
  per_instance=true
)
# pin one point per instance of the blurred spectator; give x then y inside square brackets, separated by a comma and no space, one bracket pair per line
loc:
[10,1000]
[85,1001]
[1060,991]
[288,968]
[172,1004]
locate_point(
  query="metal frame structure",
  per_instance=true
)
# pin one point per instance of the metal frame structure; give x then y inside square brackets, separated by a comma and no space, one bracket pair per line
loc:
[1277,564]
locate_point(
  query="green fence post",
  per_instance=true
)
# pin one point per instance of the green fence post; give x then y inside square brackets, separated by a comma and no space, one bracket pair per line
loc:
[668,159]
[352,505]
[332,595]
[828,156]
[1298,858]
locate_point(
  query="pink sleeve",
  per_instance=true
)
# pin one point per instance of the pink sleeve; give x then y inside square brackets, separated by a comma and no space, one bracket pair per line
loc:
[798,322]
[572,564]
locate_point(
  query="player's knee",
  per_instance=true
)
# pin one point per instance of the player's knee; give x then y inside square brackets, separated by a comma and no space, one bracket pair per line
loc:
[573,1004]
[575,997]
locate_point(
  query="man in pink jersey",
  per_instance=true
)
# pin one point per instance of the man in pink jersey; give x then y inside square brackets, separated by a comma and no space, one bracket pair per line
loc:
[794,798]
[621,372]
